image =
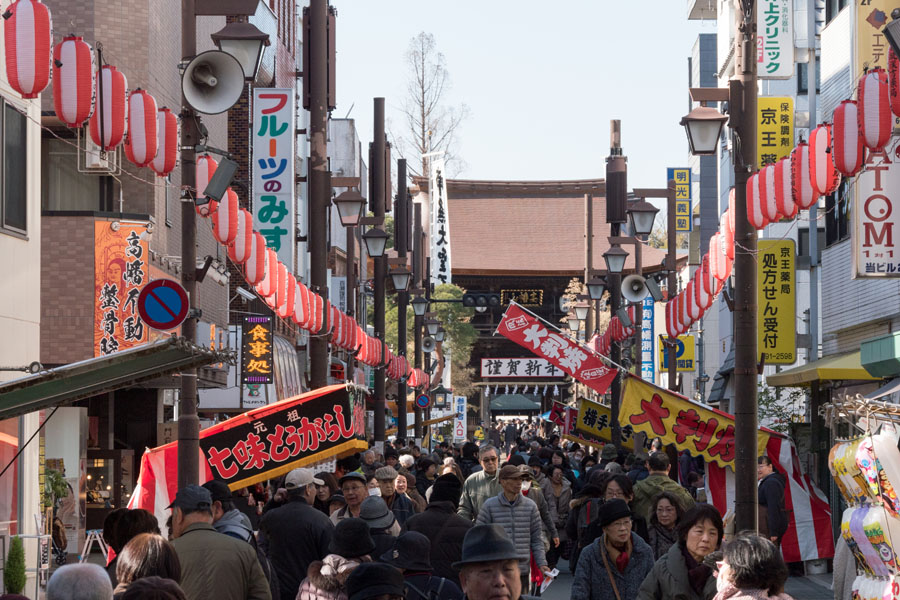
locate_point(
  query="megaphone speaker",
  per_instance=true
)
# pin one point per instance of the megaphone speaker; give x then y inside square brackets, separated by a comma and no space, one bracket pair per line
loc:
[428,344]
[213,82]
[634,289]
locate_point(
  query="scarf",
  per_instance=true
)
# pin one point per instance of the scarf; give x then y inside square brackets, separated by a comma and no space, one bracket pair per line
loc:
[732,593]
[619,556]
[698,573]
[333,565]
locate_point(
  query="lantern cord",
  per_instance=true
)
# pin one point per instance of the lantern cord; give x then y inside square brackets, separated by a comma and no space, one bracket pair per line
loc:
[25,445]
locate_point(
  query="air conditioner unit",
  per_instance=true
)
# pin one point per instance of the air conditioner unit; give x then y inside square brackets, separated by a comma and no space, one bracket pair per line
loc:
[92,160]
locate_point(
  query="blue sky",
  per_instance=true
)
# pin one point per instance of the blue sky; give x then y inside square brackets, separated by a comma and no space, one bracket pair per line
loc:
[541,79]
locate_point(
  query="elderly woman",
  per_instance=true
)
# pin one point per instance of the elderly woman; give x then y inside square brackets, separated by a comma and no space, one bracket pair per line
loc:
[665,514]
[681,573]
[752,569]
[558,493]
[620,486]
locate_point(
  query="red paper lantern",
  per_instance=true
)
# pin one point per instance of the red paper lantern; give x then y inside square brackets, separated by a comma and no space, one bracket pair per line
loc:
[266,287]
[301,305]
[728,230]
[110,108]
[694,312]
[225,219]
[167,126]
[702,297]
[714,283]
[286,301]
[784,198]
[717,258]
[684,315]
[670,322]
[767,193]
[239,250]
[315,303]
[754,203]
[849,152]
[73,81]
[206,166]
[140,143]
[823,176]
[874,117]
[255,267]
[27,32]
[801,185]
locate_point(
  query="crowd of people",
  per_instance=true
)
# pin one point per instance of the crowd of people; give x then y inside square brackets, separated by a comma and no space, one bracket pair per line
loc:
[469,521]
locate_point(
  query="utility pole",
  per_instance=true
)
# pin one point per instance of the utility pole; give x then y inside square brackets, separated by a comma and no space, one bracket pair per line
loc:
[616,194]
[588,259]
[351,293]
[319,187]
[401,239]
[417,321]
[378,196]
[672,281]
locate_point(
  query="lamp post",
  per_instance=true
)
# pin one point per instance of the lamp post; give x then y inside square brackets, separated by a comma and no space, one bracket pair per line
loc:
[401,278]
[350,205]
[245,42]
[616,195]
[379,173]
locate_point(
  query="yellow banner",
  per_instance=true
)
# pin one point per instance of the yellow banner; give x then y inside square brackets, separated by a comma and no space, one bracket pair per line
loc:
[677,420]
[774,129]
[684,354]
[594,420]
[777,301]
[871,45]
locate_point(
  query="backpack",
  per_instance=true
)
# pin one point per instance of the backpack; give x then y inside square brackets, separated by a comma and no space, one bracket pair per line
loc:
[268,569]
[431,594]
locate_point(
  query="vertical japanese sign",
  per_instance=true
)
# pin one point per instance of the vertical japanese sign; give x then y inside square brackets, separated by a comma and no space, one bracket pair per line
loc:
[777,302]
[440,223]
[120,272]
[459,423]
[775,39]
[682,179]
[273,133]
[871,45]
[875,252]
[647,366]
[775,129]
[593,422]
[257,350]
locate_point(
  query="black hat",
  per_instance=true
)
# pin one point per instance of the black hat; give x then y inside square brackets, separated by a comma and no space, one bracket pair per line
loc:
[337,498]
[516,459]
[534,461]
[192,497]
[391,451]
[424,463]
[350,539]
[375,512]
[372,579]
[218,489]
[613,510]
[411,551]
[486,543]
[446,487]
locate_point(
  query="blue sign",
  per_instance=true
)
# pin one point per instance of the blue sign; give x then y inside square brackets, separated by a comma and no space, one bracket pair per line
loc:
[648,366]
[163,304]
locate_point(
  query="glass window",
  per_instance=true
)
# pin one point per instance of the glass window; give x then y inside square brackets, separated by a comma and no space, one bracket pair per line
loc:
[15,166]
[803,242]
[837,215]
[803,77]
[62,186]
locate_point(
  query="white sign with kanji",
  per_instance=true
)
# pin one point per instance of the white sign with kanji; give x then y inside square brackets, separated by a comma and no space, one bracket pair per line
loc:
[519,367]
[459,423]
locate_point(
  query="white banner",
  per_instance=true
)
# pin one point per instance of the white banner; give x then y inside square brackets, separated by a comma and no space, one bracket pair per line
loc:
[775,39]
[519,368]
[274,132]
[440,223]
[459,423]
[876,216]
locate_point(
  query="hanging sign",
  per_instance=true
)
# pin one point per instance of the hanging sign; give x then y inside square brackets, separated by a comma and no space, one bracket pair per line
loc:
[647,364]
[775,39]
[685,353]
[459,422]
[774,129]
[777,301]
[519,367]
[257,350]
[120,273]
[273,132]
[876,219]
[523,297]
[440,223]
[682,177]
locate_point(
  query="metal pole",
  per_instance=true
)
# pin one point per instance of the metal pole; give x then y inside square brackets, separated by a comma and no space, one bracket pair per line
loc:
[589,258]
[351,292]
[672,283]
[401,239]
[319,194]
[417,321]
[743,115]
[378,172]
[616,173]
[188,422]
[813,217]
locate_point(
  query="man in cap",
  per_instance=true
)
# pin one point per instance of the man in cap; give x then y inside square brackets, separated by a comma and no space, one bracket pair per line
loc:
[212,565]
[489,565]
[607,455]
[400,505]
[296,534]
[354,491]
[369,581]
[481,485]
[410,555]
[520,519]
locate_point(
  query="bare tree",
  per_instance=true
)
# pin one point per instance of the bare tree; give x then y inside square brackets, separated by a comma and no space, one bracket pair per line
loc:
[428,123]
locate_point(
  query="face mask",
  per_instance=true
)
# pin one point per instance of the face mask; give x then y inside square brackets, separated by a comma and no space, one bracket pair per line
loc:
[721,581]
[375,491]
[526,485]
[578,457]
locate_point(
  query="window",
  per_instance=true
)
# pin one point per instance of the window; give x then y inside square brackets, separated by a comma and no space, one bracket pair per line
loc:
[833,7]
[837,215]
[14,210]
[803,242]
[63,188]
[167,198]
[803,76]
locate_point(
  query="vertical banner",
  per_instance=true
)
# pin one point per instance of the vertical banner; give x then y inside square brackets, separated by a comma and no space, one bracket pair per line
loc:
[682,177]
[875,251]
[459,423]
[871,45]
[775,39]
[647,365]
[777,302]
[257,350]
[273,133]
[775,129]
[120,272]
[440,223]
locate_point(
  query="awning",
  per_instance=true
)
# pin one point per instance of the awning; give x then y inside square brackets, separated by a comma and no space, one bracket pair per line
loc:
[886,393]
[514,402]
[845,367]
[428,423]
[102,374]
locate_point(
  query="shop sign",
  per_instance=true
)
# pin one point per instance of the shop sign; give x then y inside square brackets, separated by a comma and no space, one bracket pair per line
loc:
[257,350]
[647,366]
[459,422]
[682,177]
[523,297]
[273,132]
[120,272]
[871,45]
[440,223]
[774,129]
[685,354]
[876,218]
[777,302]
[575,424]
[775,39]
[519,367]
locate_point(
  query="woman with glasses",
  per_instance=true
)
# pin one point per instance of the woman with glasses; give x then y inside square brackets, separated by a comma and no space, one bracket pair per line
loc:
[665,514]
[752,569]
[620,486]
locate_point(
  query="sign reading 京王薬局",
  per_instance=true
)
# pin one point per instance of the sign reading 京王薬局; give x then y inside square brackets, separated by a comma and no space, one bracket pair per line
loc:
[440,222]
[775,39]
[775,129]
[273,134]
[682,177]
[257,350]
[647,365]
[876,218]
[777,302]
[519,367]
[120,272]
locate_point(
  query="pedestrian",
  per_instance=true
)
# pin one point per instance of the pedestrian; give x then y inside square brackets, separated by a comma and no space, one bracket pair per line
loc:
[662,530]
[406,485]
[148,554]
[583,511]
[325,491]
[586,465]
[510,432]
[226,518]
[773,521]
[83,581]
[153,588]
[425,475]
[400,505]
[519,518]
[440,524]
[391,457]
[658,481]
[494,435]
[682,573]
[375,581]
[109,536]
[639,471]
[489,565]
[129,525]
[383,526]
[613,566]
[619,486]
[751,569]
[481,485]
[336,503]
[212,565]
[410,555]
[368,464]
[468,461]
[607,455]
[558,493]
[353,489]
[533,491]
[351,545]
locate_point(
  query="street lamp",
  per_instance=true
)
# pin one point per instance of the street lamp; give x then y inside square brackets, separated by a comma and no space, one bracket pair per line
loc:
[350,206]
[704,127]
[432,326]
[596,287]
[441,397]
[581,310]
[615,260]
[419,306]
[439,336]
[376,240]
[401,277]
[245,42]
[574,324]
[642,215]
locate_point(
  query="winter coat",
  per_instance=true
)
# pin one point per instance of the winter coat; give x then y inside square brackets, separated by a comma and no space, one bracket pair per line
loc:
[234,523]
[423,483]
[522,522]
[536,495]
[425,586]
[402,507]
[327,579]
[660,539]
[446,530]
[218,566]
[592,579]
[582,512]
[732,593]
[669,580]
[476,491]
[646,490]
[558,506]
[293,537]
[638,474]
[773,521]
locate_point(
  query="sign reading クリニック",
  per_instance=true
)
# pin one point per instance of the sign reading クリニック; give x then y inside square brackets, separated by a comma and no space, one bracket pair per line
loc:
[273,134]
[876,219]
[684,353]
[777,302]
[682,177]
[257,350]
[121,269]
[519,367]
[523,297]
[775,39]
[774,129]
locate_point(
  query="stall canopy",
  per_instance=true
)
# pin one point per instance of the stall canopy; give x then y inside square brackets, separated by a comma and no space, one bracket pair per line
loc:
[844,367]
[886,393]
[86,378]
[514,403]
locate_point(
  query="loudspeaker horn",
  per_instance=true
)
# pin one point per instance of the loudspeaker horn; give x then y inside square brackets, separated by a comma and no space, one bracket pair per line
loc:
[213,82]
[428,344]
[634,289]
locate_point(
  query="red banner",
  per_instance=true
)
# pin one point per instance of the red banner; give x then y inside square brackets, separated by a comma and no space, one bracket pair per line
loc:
[547,342]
